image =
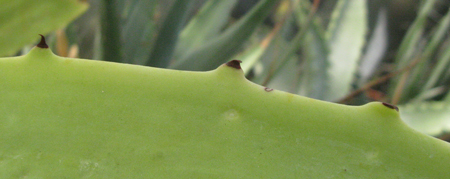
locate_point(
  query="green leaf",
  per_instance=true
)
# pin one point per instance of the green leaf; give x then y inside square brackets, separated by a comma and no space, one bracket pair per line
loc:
[287,77]
[219,50]
[437,38]
[314,77]
[251,57]
[22,20]
[409,47]
[346,37]
[74,118]
[376,49]
[168,34]
[432,118]
[110,31]
[138,30]
[205,26]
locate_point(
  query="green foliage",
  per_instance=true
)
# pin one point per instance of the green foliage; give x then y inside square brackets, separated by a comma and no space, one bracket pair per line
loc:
[291,45]
[22,20]
[74,118]
[346,37]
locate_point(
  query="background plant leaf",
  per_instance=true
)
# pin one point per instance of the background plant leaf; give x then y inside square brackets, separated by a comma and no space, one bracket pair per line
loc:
[219,50]
[432,118]
[346,35]
[22,20]
[204,26]
[137,31]
[409,49]
[110,28]
[314,79]
[168,34]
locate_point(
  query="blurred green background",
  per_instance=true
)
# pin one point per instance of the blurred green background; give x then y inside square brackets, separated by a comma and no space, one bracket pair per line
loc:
[345,51]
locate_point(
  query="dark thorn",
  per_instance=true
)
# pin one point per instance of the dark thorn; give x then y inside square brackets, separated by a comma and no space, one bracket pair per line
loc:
[42,43]
[268,89]
[235,64]
[391,106]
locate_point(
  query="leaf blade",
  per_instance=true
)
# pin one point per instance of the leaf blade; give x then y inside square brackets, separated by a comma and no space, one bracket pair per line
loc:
[346,35]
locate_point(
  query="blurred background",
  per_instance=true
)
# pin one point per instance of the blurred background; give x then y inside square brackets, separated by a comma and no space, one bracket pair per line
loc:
[345,51]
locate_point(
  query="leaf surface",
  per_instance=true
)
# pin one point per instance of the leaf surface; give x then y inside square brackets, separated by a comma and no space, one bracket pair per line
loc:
[64,117]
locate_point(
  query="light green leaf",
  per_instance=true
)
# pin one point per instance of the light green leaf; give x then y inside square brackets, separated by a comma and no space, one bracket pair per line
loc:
[376,48]
[74,118]
[205,26]
[219,50]
[22,20]
[346,35]
[250,57]
[432,118]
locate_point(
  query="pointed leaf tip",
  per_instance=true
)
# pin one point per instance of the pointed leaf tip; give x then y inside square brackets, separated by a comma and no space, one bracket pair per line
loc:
[42,43]
[235,64]
[391,106]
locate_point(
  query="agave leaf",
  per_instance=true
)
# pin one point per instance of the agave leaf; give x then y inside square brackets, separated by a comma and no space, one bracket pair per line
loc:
[419,72]
[346,37]
[432,118]
[137,31]
[64,117]
[168,34]
[437,73]
[376,48]
[281,52]
[287,77]
[217,51]
[409,48]
[437,38]
[110,30]
[314,78]
[277,54]
[251,57]
[21,20]
[204,27]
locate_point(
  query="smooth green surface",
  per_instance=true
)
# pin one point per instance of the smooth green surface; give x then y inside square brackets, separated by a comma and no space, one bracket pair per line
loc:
[21,20]
[72,118]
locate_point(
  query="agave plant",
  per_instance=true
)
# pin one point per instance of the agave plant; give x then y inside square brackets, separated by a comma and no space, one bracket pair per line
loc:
[81,118]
